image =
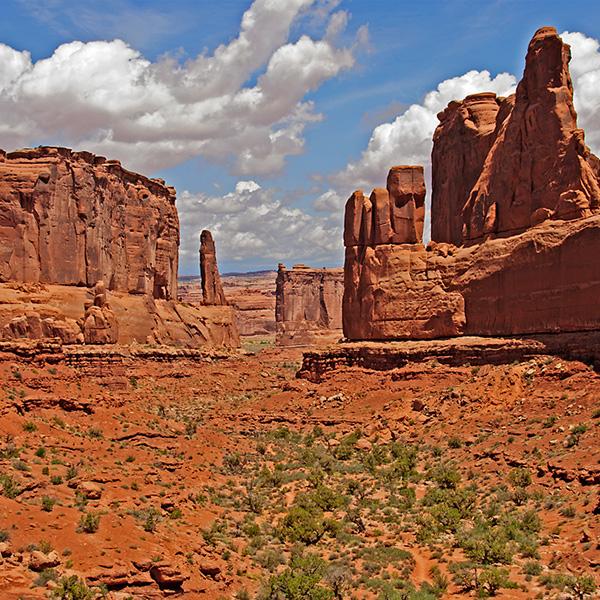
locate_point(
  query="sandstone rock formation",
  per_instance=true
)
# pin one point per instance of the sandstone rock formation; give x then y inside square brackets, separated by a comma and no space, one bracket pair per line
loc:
[385,278]
[35,311]
[212,291]
[505,165]
[252,296]
[74,224]
[308,308]
[461,144]
[99,322]
[394,214]
[518,191]
[72,218]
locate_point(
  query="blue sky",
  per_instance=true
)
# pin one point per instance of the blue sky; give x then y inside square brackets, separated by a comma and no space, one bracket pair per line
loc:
[266,115]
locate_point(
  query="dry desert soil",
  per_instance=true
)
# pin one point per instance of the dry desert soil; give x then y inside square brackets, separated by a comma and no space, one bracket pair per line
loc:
[219,474]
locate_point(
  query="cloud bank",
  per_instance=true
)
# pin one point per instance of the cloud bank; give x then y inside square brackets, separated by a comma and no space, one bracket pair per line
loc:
[254,223]
[107,98]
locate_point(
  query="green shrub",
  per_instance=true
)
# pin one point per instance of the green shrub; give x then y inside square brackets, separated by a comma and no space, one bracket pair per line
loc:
[72,588]
[10,486]
[306,526]
[29,426]
[454,442]
[89,523]
[44,577]
[48,503]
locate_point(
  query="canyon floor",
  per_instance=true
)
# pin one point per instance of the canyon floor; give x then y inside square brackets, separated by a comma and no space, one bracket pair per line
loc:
[219,474]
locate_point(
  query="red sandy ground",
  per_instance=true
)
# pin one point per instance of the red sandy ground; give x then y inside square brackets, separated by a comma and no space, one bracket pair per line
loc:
[130,436]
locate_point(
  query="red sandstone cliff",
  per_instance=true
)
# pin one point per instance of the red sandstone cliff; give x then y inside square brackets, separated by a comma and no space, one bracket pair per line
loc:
[515,182]
[72,218]
[461,144]
[308,306]
[89,253]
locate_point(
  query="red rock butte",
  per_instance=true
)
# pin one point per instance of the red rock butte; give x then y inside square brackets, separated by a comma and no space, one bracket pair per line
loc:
[515,221]
[89,253]
[308,306]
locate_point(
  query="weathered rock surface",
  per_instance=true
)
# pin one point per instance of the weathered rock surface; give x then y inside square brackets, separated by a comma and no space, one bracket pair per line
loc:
[539,166]
[73,218]
[530,262]
[212,290]
[35,311]
[99,322]
[389,293]
[317,365]
[308,306]
[394,214]
[73,225]
[461,144]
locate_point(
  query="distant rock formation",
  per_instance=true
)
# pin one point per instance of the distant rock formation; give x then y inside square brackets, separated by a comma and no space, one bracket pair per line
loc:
[308,306]
[75,225]
[517,190]
[212,290]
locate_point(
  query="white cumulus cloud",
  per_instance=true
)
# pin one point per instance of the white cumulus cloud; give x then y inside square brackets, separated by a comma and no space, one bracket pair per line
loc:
[252,223]
[107,98]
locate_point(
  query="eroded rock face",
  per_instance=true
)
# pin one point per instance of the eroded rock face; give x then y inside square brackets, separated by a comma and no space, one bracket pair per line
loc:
[394,214]
[539,166]
[308,309]
[74,225]
[517,191]
[385,275]
[391,291]
[100,324]
[461,144]
[212,290]
[72,218]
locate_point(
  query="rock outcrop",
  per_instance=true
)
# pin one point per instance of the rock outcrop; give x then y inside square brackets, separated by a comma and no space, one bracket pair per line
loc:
[212,290]
[387,292]
[501,166]
[518,191]
[72,218]
[391,215]
[461,144]
[308,309]
[99,321]
[89,254]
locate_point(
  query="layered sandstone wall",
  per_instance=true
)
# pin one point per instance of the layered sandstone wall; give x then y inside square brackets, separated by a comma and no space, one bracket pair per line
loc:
[89,254]
[515,223]
[308,306]
[72,218]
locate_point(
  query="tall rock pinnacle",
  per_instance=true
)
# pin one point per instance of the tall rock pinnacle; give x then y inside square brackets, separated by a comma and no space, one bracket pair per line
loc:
[212,290]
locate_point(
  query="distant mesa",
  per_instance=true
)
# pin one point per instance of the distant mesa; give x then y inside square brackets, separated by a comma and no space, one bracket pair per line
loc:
[308,306]
[515,221]
[89,253]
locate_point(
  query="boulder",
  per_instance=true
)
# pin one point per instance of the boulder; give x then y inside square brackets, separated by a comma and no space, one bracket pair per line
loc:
[38,561]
